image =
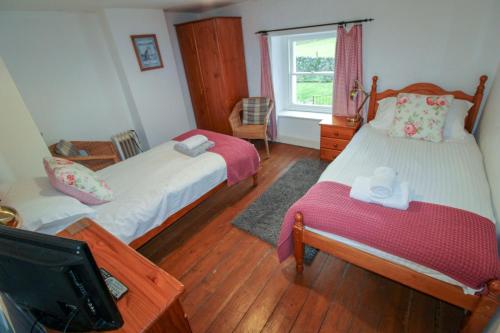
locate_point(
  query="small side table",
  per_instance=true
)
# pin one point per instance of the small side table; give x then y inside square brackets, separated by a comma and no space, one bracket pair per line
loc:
[336,133]
[152,301]
[101,154]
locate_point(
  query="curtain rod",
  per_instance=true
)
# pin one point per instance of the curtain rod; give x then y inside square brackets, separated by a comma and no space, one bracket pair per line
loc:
[317,25]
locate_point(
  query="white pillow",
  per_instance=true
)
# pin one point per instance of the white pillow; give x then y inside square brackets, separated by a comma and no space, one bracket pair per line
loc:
[385,114]
[455,120]
[41,206]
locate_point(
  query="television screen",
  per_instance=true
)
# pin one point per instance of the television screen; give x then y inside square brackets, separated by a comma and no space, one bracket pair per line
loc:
[56,280]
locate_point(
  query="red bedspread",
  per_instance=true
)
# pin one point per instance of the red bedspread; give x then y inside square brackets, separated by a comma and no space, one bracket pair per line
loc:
[242,159]
[457,243]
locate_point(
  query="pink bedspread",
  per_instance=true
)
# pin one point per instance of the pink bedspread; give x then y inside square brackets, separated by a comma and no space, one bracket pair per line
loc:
[242,159]
[457,243]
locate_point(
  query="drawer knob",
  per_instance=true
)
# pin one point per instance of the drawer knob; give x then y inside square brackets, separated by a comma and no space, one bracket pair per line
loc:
[335,146]
[335,133]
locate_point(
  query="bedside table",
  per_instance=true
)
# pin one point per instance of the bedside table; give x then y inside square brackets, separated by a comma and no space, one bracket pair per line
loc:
[336,133]
[101,154]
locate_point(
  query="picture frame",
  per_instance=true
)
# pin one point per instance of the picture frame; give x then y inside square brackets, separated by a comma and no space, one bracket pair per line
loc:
[147,51]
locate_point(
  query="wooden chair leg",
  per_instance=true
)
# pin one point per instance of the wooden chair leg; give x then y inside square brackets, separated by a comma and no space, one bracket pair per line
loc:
[255,180]
[298,232]
[267,147]
[485,309]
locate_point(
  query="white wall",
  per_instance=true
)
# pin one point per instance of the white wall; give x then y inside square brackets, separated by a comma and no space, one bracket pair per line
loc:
[63,69]
[21,145]
[447,42]
[156,93]
[489,138]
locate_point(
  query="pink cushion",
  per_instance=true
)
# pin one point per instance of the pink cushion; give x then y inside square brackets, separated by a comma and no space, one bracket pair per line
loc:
[77,181]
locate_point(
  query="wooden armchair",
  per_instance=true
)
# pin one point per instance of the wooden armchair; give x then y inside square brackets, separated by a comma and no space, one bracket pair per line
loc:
[250,131]
[101,154]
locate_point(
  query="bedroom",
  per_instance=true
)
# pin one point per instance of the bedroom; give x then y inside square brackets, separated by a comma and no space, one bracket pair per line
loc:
[69,71]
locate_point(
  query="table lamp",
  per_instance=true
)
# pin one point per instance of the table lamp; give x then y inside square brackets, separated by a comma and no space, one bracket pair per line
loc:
[356,90]
[9,217]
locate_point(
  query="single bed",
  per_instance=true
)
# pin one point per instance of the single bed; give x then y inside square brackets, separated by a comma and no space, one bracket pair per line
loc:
[154,189]
[451,175]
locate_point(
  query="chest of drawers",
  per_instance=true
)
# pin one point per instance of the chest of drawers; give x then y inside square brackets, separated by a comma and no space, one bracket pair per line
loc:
[336,133]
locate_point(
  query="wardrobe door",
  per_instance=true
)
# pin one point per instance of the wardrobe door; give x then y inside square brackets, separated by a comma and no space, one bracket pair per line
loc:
[187,44]
[232,53]
[211,71]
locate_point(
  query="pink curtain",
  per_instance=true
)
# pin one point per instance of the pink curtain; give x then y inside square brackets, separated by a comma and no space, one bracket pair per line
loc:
[348,67]
[266,83]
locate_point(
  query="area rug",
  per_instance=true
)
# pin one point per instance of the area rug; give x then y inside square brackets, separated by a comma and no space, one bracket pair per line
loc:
[263,218]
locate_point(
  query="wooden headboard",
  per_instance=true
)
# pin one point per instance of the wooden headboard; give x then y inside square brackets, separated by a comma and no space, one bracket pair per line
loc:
[430,89]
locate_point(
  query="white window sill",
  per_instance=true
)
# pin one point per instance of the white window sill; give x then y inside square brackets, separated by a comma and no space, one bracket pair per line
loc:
[305,115]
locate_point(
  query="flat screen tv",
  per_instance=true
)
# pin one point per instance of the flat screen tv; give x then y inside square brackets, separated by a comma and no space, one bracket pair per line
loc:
[57,281]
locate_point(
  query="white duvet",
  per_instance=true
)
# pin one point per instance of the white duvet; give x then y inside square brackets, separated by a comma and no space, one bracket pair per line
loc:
[151,186]
[448,173]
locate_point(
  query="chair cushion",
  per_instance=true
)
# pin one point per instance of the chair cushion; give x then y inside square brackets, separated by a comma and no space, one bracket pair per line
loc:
[255,110]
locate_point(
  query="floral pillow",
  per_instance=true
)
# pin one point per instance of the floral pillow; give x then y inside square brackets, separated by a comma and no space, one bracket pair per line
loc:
[77,181]
[420,116]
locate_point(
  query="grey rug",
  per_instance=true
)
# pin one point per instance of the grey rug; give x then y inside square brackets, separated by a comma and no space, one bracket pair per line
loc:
[263,218]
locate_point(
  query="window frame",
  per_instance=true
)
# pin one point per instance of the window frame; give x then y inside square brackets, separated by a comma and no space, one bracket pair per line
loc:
[291,72]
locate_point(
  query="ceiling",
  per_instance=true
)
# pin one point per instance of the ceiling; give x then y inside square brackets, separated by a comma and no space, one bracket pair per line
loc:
[91,5]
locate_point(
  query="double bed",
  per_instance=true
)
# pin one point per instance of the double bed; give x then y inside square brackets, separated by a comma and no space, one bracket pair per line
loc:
[457,257]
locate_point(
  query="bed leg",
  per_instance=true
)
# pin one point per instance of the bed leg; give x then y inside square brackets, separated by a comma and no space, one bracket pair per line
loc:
[255,179]
[298,244]
[485,309]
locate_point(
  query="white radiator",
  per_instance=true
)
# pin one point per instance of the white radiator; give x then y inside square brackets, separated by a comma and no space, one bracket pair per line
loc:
[127,144]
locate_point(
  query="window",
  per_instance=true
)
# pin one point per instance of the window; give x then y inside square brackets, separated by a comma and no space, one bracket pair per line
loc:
[310,77]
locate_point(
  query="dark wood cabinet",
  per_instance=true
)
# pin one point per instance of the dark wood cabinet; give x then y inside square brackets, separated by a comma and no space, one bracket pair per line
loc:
[214,61]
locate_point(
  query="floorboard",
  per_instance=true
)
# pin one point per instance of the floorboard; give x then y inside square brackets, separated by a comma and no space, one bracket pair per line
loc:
[234,282]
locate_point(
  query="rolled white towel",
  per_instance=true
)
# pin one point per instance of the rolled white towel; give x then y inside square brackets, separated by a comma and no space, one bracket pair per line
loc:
[193,142]
[382,182]
[400,198]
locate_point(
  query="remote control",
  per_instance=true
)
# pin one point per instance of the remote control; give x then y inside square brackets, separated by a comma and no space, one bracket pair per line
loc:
[116,288]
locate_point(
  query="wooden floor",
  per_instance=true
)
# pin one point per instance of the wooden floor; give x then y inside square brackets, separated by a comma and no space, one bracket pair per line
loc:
[234,282]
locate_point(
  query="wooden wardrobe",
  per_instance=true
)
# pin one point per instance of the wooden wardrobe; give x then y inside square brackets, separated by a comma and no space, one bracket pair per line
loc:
[214,62]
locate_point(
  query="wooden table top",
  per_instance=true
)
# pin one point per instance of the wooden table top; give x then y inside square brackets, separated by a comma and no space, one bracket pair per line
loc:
[151,289]
[339,121]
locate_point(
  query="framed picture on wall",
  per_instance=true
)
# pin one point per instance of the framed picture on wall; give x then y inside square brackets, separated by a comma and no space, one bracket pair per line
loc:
[147,52]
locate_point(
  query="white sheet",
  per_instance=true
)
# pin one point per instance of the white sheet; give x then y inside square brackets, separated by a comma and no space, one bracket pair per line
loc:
[450,174]
[447,173]
[151,186]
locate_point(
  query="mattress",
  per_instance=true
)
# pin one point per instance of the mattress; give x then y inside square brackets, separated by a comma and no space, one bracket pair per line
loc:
[151,186]
[448,173]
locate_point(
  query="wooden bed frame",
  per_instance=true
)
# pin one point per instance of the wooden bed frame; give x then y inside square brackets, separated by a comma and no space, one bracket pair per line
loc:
[480,307]
[137,243]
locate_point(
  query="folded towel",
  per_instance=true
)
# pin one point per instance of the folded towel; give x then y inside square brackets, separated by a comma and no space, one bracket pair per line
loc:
[193,142]
[382,182]
[195,151]
[400,198]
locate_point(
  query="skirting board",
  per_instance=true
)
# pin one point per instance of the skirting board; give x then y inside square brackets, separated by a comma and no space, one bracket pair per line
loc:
[298,141]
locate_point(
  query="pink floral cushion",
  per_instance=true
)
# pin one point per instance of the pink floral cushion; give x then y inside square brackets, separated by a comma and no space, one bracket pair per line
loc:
[420,116]
[77,181]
